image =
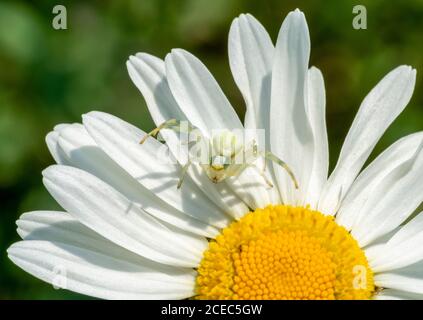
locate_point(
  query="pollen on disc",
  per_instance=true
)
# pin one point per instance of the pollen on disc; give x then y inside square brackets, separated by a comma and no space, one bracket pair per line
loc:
[283,252]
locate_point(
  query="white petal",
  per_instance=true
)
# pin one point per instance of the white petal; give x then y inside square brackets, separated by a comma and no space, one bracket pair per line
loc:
[410,231]
[378,110]
[315,109]
[60,227]
[88,272]
[363,188]
[403,249]
[392,294]
[291,137]
[252,188]
[396,197]
[148,74]
[52,140]
[198,94]
[251,58]
[146,163]
[408,279]
[83,153]
[109,213]
[220,193]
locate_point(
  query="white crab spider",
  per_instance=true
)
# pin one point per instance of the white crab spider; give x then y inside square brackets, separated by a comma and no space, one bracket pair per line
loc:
[226,150]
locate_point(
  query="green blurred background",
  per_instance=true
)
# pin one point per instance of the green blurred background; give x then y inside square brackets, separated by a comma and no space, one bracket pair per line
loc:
[51,76]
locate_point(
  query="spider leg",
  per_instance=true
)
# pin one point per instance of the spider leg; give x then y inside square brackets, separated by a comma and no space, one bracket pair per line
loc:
[270,156]
[173,124]
[250,155]
[165,125]
[183,174]
[262,173]
[236,170]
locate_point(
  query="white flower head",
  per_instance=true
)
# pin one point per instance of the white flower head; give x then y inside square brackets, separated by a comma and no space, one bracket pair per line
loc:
[127,232]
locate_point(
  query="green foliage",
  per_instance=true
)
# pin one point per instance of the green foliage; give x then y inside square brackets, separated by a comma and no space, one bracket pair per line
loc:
[51,76]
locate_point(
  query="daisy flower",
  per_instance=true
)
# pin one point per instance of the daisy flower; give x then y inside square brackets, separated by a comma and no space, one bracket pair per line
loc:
[128,233]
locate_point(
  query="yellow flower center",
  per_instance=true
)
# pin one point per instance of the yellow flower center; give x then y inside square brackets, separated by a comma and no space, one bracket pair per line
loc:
[283,252]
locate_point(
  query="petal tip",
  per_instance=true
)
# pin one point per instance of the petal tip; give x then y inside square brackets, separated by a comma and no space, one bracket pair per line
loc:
[50,170]
[131,60]
[90,115]
[51,137]
[179,52]
[296,16]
